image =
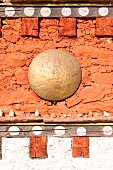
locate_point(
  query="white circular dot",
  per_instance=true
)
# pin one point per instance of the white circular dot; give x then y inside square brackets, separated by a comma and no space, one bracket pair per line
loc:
[45,11]
[29,11]
[59,130]
[103,11]
[107,130]
[81,131]
[66,11]
[83,11]
[37,130]
[9,11]
[14,130]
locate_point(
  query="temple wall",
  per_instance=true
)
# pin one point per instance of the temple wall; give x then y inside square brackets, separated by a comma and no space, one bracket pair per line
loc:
[89,40]
[15,154]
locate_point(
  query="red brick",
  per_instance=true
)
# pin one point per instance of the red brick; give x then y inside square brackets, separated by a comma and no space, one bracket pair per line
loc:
[30,27]
[80,142]
[67,27]
[80,147]
[104,26]
[80,152]
[32,152]
[38,147]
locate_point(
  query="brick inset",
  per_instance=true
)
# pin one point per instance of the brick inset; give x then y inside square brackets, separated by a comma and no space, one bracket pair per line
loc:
[104,26]
[30,27]
[67,27]
[38,147]
[80,147]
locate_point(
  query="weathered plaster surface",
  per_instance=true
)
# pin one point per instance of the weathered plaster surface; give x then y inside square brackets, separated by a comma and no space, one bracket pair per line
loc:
[88,39]
[15,153]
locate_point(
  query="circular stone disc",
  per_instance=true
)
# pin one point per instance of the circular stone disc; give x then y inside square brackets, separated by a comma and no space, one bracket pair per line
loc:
[54,75]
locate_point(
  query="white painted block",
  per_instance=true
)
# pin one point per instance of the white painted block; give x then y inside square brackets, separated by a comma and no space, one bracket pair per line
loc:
[15,152]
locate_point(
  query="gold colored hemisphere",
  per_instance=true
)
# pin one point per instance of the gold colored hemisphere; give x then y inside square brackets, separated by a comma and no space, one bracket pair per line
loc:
[54,75]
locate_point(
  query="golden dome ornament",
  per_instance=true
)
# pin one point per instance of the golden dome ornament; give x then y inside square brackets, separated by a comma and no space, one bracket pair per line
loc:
[54,75]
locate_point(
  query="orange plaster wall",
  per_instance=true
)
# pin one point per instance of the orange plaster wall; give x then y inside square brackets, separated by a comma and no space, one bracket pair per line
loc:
[88,39]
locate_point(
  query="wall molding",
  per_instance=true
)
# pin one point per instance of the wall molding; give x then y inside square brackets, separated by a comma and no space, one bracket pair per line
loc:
[53,11]
[57,130]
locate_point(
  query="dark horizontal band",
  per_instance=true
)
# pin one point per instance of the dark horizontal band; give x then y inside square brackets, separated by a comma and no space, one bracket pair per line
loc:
[14,11]
[64,1]
[15,130]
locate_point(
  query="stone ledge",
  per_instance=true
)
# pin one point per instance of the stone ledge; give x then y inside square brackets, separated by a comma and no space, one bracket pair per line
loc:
[95,119]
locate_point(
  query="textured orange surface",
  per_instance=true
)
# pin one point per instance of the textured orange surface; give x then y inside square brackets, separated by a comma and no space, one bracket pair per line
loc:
[38,147]
[80,147]
[104,26]
[94,54]
[67,27]
[30,27]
